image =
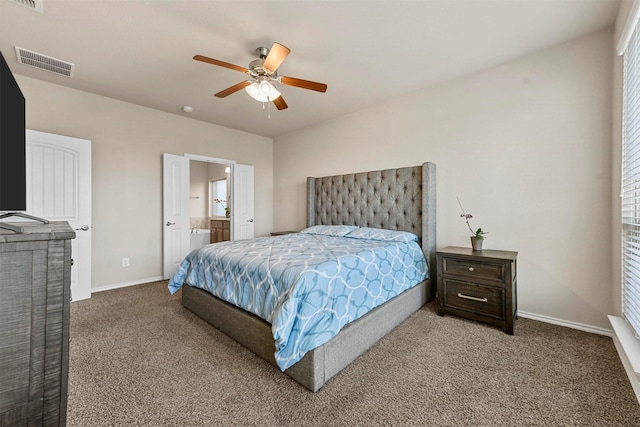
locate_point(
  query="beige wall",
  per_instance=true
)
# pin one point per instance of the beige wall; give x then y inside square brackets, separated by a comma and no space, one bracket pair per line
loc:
[527,148]
[127,146]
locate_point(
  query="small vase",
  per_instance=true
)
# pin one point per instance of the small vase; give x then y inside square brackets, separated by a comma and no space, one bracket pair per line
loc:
[227,213]
[476,243]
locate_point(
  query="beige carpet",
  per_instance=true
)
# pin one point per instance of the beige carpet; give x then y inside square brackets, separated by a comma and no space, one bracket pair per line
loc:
[139,358]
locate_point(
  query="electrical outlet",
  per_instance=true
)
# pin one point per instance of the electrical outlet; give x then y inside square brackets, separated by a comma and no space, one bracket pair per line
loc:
[125,262]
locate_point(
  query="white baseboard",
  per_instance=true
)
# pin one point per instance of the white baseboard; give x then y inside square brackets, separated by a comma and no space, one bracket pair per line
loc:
[125,284]
[566,323]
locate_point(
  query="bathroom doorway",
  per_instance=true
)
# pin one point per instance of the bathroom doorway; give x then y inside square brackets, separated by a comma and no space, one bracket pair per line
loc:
[210,202]
[177,200]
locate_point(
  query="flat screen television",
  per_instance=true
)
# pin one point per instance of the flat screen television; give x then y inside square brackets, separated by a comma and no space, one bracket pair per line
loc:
[13,174]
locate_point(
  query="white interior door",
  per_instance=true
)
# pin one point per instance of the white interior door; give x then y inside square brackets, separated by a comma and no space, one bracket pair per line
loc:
[242,202]
[175,218]
[59,189]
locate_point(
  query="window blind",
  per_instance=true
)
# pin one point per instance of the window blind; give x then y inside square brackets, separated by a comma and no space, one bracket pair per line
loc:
[631,183]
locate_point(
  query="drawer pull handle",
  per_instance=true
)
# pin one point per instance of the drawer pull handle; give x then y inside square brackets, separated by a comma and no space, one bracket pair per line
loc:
[471,269]
[471,298]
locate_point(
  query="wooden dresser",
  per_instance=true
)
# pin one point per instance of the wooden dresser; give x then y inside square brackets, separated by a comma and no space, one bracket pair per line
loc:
[220,230]
[478,285]
[35,277]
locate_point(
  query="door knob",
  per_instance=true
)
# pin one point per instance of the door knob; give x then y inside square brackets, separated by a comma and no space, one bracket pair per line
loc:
[170,223]
[250,220]
[83,228]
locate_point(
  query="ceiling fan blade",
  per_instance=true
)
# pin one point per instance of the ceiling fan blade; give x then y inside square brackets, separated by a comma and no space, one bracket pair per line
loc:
[305,84]
[276,55]
[233,89]
[221,63]
[279,103]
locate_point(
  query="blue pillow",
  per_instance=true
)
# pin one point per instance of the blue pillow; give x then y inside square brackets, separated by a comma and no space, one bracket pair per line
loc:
[381,234]
[330,230]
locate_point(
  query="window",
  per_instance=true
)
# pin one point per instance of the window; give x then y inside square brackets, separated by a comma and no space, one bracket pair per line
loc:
[631,182]
[218,191]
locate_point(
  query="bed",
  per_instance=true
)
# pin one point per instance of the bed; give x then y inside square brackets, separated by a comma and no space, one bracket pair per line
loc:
[402,200]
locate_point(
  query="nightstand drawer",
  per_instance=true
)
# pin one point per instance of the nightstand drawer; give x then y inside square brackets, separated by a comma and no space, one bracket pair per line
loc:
[473,269]
[486,300]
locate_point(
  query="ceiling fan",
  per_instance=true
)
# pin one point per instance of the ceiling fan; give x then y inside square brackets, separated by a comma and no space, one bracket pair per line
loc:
[263,72]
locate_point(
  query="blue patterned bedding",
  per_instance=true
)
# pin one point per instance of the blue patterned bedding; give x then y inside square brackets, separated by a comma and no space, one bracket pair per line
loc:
[308,285]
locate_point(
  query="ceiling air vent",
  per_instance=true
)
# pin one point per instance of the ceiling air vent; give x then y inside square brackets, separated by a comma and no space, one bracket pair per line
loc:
[31,4]
[44,62]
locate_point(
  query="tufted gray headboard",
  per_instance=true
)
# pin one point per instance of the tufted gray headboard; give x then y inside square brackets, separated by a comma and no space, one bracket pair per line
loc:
[395,199]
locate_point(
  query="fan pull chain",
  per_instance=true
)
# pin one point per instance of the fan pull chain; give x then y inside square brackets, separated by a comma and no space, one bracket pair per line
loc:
[268,108]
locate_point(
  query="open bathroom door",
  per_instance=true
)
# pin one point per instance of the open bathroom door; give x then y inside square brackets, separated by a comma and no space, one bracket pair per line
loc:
[242,205]
[175,208]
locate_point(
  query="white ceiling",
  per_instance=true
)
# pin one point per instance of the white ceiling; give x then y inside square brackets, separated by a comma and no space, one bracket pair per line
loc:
[365,51]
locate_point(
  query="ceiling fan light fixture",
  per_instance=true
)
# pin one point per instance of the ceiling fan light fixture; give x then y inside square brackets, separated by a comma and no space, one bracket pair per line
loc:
[265,88]
[263,91]
[253,90]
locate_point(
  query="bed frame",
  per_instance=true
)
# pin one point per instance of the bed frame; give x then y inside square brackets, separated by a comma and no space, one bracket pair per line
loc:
[396,199]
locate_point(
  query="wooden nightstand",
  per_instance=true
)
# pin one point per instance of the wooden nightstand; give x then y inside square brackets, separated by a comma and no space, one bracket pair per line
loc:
[478,285]
[282,233]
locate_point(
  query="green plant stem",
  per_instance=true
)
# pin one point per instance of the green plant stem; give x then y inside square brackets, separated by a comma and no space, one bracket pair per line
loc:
[466,218]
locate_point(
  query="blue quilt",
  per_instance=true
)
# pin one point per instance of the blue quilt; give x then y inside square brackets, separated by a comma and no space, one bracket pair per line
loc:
[308,285]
